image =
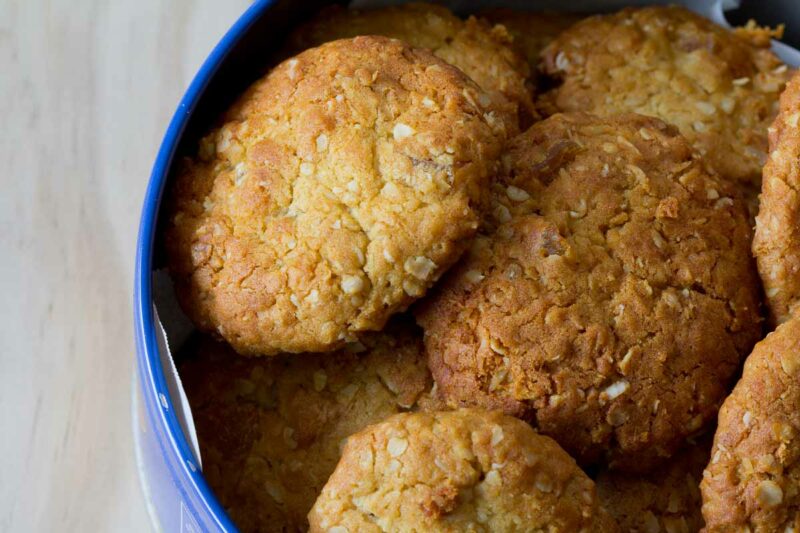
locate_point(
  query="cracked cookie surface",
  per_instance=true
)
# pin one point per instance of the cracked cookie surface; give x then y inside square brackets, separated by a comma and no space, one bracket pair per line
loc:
[611,297]
[752,482]
[271,430]
[481,51]
[465,470]
[339,188]
[720,87]
[667,499]
[776,244]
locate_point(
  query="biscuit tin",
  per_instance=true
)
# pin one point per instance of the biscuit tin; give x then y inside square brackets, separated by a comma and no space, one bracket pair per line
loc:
[167,455]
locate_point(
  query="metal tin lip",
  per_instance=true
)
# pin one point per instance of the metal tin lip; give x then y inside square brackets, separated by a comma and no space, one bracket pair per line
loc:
[137,452]
[144,321]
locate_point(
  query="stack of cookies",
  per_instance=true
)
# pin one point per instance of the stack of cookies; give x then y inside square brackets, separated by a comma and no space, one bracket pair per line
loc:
[495,274]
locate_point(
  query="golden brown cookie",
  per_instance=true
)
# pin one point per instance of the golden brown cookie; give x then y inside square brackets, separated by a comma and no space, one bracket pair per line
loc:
[483,52]
[271,430]
[532,30]
[667,499]
[465,470]
[777,239]
[753,480]
[338,190]
[719,87]
[615,298]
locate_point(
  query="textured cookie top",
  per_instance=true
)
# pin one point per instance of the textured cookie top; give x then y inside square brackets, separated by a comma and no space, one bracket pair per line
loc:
[615,298]
[482,52]
[753,480]
[338,190]
[777,240]
[463,470]
[532,30]
[668,499]
[271,430]
[719,87]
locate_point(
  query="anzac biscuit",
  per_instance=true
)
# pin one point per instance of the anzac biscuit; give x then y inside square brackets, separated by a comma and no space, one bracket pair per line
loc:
[667,499]
[719,87]
[455,471]
[752,482]
[612,298]
[339,188]
[481,51]
[271,430]
[777,239]
[532,30]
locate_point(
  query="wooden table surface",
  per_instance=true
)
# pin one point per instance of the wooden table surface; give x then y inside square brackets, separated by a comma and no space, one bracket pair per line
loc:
[86,91]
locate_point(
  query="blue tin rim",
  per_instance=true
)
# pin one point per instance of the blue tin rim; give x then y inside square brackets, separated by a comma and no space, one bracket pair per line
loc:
[145,325]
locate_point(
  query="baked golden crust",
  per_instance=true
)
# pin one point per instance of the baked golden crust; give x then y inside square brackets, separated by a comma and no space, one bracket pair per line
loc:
[719,87]
[455,471]
[752,482]
[271,430]
[338,190]
[482,52]
[667,499]
[613,297]
[777,239]
[532,30]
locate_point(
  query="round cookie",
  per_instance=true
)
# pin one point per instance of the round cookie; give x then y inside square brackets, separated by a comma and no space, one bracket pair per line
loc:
[667,499]
[482,52]
[271,430]
[339,188]
[612,297]
[532,30]
[752,482]
[719,87]
[777,238]
[465,470]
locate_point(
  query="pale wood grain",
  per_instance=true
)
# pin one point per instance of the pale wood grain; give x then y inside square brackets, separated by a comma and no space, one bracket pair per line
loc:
[86,90]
